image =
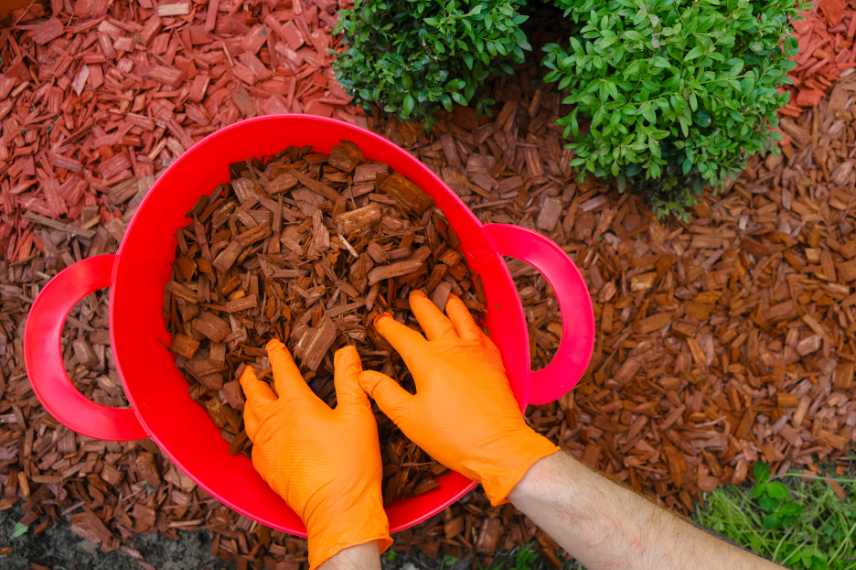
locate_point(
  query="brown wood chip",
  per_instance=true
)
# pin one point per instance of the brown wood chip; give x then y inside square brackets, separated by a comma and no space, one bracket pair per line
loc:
[406,193]
[397,269]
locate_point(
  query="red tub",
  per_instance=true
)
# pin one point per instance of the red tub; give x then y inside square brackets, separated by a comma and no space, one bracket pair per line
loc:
[160,406]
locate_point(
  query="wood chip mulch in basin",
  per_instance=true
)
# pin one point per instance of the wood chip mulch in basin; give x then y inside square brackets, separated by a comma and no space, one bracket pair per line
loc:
[309,248]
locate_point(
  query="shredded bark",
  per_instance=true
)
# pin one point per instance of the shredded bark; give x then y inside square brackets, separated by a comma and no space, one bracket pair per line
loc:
[824,33]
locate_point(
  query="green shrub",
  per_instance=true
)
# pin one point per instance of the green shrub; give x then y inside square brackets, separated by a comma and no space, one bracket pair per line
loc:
[413,56]
[675,94]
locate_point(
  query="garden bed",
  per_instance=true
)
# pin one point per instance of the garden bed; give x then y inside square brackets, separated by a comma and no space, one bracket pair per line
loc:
[720,342]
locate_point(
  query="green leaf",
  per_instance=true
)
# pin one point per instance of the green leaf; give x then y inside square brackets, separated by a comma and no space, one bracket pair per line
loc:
[19,530]
[768,503]
[407,106]
[612,91]
[777,490]
[456,85]
[772,521]
[648,112]
[761,472]
[694,53]
[790,510]
[520,40]
[660,62]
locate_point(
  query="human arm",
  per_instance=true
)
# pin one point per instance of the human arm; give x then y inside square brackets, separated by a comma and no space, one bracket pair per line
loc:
[325,463]
[465,416]
[359,557]
[605,526]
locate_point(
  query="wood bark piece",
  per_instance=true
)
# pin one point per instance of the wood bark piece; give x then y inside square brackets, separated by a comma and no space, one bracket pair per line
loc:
[549,215]
[87,525]
[406,193]
[315,343]
[369,172]
[282,183]
[63,227]
[398,269]
[83,352]
[345,156]
[360,219]
[241,304]
[184,346]
[489,536]
[212,327]
[176,9]
[228,256]
[441,294]
[179,64]
[317,186]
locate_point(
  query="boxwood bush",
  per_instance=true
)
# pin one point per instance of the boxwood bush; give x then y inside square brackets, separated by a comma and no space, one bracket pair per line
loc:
[670,96]
[412,57]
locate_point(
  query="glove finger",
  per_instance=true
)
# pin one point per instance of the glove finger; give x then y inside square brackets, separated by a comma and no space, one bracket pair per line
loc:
[431,319]
[346,371]
[391,398]
[254,389]
[287,379]
[251,424]
[403,339]
[257,393]
[462,319]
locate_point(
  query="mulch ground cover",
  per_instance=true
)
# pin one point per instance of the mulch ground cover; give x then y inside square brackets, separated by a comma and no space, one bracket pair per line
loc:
[720,342]
[97,97]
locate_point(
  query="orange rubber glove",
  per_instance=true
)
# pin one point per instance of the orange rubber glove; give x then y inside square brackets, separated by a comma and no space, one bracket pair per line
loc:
[324,463]
[464,413]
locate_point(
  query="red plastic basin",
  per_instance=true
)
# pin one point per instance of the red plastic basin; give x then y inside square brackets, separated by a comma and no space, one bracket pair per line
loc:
[160,406]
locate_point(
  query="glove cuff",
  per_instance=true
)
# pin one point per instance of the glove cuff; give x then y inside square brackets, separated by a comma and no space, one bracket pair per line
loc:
[361,523]
[509,464]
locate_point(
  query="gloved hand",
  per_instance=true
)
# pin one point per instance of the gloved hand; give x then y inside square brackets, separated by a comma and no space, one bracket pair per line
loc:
[464,413]
[324,463]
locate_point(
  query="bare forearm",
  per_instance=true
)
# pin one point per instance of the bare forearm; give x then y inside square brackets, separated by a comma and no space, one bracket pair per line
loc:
[359,557]
[606,526]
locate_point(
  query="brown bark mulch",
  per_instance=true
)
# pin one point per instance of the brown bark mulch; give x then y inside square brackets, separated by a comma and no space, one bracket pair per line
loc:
[721,342]
[309,248]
